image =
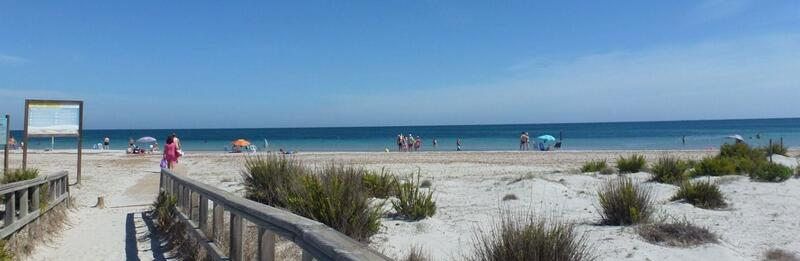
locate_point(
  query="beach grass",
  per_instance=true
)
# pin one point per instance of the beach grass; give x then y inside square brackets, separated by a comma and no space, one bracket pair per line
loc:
[774,254]
[594,166]
[669,170]
[676,234]
[624,202]
[532,238]
[380,184]
[702,194]
[336,195]
[16,175]
[417,253]
[412,202]
[632,164]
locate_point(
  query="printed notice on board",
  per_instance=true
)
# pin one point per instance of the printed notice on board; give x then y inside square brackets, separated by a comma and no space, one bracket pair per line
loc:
[53,119]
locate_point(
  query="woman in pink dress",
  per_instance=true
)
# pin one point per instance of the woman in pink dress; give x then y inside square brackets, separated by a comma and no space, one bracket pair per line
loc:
[171,152]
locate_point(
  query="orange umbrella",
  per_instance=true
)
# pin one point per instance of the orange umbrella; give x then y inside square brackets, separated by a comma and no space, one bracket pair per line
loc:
[241,143]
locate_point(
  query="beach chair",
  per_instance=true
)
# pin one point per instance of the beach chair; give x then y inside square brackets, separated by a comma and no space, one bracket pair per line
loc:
[541,146]
[557,146]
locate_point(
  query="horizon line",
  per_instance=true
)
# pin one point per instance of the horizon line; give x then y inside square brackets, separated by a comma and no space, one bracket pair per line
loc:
[456,125]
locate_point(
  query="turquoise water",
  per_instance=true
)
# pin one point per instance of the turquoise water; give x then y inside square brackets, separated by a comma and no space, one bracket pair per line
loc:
[576,136]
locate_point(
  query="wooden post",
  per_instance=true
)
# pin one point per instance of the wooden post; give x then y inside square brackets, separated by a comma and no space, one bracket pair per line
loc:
[23,203]
[10,209]
[769,150]
[5,148]
[266,245]
[216,221]
[190,202]
[237,252]
[80,141]
[203,213]
[307,256]
[35,197]
[25,138]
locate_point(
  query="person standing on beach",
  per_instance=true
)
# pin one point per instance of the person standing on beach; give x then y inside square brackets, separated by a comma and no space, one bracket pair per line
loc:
[106,142]
[400,142]
[683,139]
[458,144]
[171,152]
[417,144]
[435,142]
[523,141]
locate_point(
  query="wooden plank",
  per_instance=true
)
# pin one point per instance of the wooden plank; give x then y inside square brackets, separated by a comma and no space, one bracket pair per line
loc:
[11,187]
[236,249]
[214,252]
[216,221]
[266,245]
[11,210]
[203,213]
[35,197]
[307,256]
[23,203]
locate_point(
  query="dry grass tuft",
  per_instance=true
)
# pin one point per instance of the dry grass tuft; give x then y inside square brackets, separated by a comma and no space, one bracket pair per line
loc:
[531,238]
[780,255]
[677,234]
[417,253]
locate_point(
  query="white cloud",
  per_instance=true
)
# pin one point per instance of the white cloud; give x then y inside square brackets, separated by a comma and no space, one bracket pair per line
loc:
[735,78]
[711,10]
[10,59]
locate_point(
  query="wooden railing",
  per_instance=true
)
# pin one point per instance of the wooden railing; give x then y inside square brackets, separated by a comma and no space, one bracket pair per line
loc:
[25,194]
[317,240]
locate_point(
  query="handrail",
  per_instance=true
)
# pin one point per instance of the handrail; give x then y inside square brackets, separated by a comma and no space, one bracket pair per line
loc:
[26,194]
[317,240]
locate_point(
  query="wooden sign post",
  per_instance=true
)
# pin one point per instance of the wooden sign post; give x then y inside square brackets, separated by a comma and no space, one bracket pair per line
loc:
[53,118]
[5,142]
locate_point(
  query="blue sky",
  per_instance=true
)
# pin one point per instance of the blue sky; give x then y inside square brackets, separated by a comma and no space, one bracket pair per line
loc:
[206,64]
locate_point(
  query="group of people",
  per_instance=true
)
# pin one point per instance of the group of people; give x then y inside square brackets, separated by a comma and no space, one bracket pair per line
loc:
[414,143]
[172,151]
[410,143]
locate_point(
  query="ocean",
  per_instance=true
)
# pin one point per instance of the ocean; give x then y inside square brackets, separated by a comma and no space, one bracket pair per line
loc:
[701,134]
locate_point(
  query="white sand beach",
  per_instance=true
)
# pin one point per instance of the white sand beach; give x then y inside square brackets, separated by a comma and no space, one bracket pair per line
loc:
[468,189]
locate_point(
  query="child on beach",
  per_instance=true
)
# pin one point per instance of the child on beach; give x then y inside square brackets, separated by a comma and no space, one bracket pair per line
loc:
[458,144]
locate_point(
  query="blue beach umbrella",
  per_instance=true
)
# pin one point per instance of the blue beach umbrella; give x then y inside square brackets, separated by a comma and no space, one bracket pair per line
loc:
[546,138]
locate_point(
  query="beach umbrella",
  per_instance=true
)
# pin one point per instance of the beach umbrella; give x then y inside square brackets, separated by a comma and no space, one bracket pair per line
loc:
[241,143]
[547,138]
[146,139]
[736,137]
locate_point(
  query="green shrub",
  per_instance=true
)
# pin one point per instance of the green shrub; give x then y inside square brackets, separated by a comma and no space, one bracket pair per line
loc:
[741,150]
[164,211]
[669,170]
[632,164]
[702,194]
[380,185]
[770,172]
[775,254]
[508,197]
[622,202]
[337,197]
[5,254]
[677,234]
[272,179]
[530,238]
[594,166]
[714,166]
[776,148]
[412,203]
[16,175]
